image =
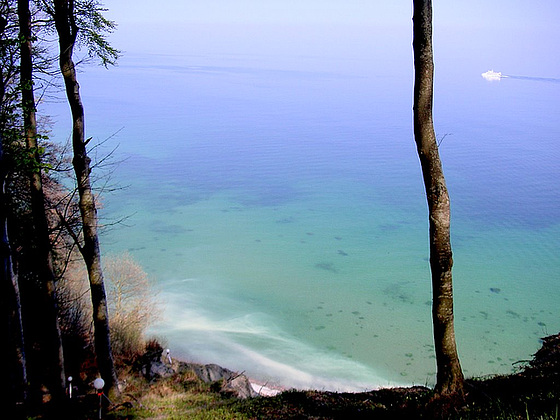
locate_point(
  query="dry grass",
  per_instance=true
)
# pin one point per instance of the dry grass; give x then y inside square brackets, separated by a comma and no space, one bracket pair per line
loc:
[532,393]
[178,397]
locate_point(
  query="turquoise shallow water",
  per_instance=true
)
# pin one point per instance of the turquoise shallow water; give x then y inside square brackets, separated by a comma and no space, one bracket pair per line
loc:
[280,209]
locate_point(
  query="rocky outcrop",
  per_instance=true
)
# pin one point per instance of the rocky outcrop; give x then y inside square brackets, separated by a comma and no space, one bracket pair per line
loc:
[156,364]
[157,370]
[152,365]
[227,382]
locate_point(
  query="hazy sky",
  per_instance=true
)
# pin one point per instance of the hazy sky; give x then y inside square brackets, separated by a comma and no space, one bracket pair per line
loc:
[499,12]
[519,29]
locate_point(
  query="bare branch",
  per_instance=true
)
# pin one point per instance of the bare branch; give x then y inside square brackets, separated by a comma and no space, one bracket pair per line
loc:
[443,138]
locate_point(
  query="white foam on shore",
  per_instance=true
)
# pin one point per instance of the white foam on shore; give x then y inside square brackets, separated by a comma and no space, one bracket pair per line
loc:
[252,343]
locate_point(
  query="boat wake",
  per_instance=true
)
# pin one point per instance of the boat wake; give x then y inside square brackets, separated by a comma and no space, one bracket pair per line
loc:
[536,79]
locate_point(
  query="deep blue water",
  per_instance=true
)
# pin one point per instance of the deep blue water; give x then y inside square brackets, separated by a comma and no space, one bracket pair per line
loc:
[279,207]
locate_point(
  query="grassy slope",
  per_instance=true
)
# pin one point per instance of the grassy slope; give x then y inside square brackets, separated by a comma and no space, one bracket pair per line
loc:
[533,393]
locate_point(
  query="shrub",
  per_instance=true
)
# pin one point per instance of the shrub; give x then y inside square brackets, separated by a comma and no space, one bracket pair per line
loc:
[132,308]
[132,305]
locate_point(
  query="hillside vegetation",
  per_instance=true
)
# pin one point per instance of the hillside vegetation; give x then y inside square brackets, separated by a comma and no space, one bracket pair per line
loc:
[531,393]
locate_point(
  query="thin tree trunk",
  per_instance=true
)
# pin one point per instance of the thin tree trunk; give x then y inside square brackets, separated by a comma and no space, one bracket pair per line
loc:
[67,32]
[50,337]
[449,373]
[14,386]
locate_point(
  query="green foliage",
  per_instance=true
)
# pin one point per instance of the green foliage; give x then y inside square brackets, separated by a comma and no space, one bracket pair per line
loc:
[22,39]
[93,28]
[21,159]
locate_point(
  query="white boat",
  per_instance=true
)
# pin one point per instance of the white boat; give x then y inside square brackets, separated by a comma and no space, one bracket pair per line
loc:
[492,75]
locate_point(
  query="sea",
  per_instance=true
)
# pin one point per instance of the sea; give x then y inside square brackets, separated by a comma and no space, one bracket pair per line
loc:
[277,204]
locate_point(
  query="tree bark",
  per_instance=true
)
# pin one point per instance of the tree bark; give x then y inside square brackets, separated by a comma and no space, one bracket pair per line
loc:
[51,361]
[67,33]
[14,386]
[449,373]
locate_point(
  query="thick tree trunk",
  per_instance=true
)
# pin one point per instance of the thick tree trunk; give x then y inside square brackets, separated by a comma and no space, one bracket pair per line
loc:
[67,31]
[51,361]
[449,373]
